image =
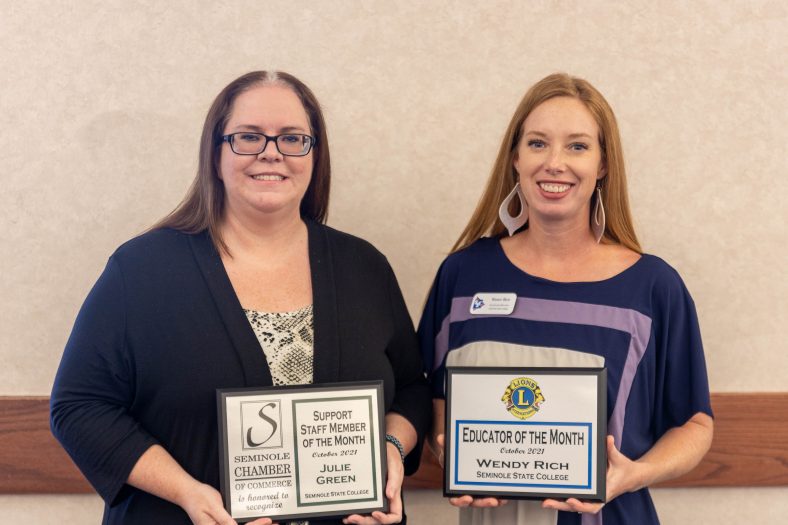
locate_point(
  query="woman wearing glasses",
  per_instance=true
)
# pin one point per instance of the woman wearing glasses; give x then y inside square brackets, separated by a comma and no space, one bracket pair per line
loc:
[241,285]
[561,240]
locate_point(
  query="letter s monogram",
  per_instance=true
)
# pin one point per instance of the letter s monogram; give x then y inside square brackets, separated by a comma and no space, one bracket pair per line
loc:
[274,425]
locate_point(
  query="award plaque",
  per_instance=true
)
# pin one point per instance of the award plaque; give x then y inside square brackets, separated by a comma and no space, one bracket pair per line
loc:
[297,452]
[526,433]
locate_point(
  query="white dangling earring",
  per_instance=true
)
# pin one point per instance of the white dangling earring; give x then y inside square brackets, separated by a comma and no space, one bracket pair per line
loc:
[513,224]
[598,217]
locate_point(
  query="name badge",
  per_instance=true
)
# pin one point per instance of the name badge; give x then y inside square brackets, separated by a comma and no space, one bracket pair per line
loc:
[493,303]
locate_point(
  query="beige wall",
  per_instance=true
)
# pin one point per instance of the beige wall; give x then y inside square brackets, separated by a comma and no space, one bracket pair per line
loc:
[102,104]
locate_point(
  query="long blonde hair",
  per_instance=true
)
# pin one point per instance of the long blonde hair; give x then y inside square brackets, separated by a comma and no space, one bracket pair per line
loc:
[618,228]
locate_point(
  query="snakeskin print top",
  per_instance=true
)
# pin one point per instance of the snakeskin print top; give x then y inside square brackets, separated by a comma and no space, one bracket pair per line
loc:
[287,339]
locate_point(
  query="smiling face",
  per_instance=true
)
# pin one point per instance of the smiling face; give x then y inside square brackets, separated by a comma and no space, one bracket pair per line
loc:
[268,183]
[558,161]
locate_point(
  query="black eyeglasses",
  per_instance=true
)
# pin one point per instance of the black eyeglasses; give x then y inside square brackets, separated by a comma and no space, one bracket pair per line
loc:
[288,144]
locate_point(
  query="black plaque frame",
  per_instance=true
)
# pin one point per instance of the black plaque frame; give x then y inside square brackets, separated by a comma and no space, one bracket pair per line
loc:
[600,434]
[378,452]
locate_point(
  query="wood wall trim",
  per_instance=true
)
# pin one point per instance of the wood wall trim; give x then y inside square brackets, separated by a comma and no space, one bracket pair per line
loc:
[750,448]
[31,460]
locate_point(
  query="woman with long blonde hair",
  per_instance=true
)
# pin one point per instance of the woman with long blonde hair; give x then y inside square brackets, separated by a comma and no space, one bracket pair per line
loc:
[553,229]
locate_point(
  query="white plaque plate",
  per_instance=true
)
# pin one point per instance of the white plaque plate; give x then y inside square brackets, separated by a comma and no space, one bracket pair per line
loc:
[299,452]
[526,432]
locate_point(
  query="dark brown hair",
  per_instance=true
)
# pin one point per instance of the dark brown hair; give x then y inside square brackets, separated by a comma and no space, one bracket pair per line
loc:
[203,206]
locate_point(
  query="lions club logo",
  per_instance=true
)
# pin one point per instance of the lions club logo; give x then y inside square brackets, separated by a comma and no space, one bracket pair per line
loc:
[523,397]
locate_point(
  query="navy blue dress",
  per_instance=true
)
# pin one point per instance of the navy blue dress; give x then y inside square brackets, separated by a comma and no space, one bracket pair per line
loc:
[642,322]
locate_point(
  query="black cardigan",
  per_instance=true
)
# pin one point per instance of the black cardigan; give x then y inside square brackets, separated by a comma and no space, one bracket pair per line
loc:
[162,329]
